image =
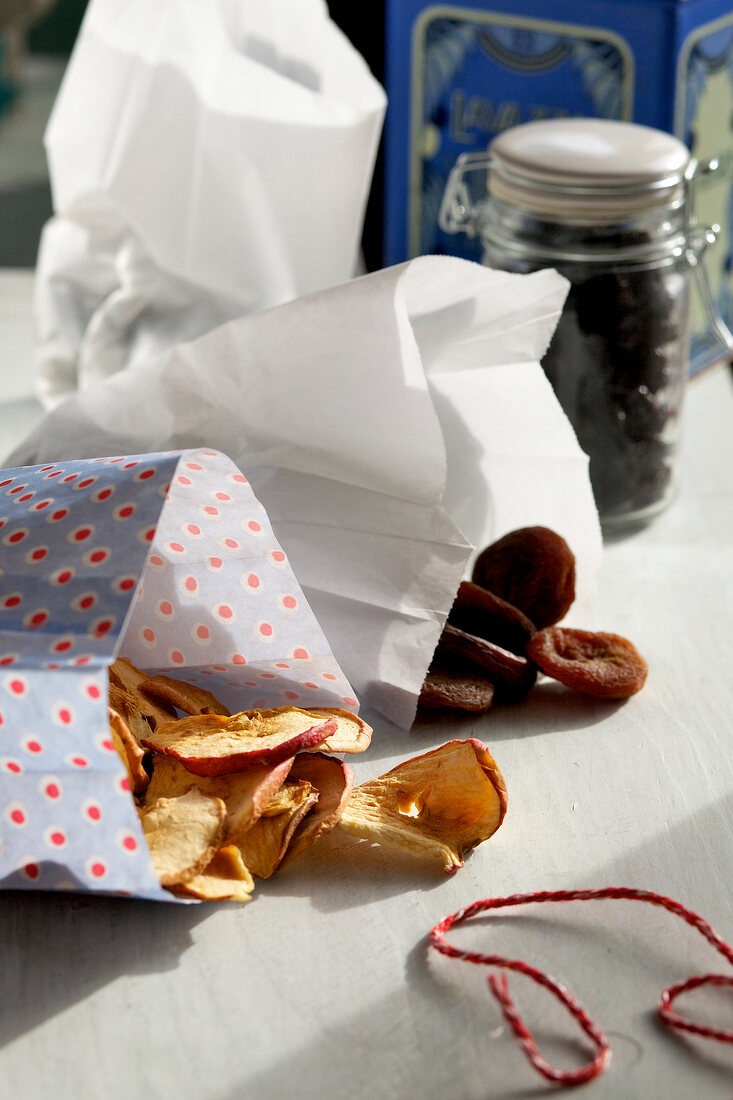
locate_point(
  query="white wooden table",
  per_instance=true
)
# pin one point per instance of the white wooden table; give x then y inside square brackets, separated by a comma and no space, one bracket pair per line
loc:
[322,986]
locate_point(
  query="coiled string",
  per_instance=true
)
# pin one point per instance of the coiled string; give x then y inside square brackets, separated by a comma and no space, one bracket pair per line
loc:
[499,986]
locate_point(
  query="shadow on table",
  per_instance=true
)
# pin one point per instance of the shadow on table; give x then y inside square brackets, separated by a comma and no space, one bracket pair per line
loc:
[440,1038]
[550,707]
[671,951]
[416,1043]
[57,949]
[444,1036]
[343,872]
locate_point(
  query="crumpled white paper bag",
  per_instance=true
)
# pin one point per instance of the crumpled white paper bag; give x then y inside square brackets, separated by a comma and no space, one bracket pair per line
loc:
[208,158]
[389,426]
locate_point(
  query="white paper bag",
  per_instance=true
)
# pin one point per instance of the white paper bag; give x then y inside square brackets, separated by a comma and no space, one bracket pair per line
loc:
[389,426]
[208,158]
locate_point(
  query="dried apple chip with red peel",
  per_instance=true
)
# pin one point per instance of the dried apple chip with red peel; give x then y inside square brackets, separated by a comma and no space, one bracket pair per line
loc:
[245,794]
[125,676]
[334,782]
[182,696]
[265,844]
[210,744]
[352,733]
[226,878]
[183,834]
[436,806]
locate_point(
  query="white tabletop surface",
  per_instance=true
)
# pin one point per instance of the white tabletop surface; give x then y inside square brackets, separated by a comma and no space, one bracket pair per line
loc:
[322,986]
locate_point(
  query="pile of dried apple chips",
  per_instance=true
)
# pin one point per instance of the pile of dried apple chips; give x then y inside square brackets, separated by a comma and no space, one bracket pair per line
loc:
[224,799]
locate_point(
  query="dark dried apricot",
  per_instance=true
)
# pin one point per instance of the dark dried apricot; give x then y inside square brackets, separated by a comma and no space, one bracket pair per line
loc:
[482,613]
[605,665]
[532,568]
[511,675]
[447,690]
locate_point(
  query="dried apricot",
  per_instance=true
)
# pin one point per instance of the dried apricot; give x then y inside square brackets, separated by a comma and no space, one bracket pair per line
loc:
[511,675]
[453,690]
[486,615]
[532,568]
[605,665]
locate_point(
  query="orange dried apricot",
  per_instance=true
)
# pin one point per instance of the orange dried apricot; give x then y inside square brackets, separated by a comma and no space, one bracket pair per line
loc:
[532,568]
[607,666]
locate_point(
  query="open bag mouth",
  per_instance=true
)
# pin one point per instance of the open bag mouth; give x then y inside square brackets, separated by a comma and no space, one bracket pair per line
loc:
[170,559]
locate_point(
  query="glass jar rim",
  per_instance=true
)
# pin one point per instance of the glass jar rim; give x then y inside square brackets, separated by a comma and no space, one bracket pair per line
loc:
[638,256]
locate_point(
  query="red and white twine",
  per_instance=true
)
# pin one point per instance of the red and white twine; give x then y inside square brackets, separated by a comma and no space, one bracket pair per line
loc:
[499,986]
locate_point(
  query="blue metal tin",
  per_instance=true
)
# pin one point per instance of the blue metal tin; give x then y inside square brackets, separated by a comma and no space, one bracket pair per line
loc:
[457,76]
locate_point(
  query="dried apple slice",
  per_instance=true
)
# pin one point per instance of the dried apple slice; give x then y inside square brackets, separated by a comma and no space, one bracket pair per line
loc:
[225,879]
[437,806]
[210,744]
[352,733]
[128,749]
[183,834]
[128,706]
[182,696]
[128,728]
[125,676]
[245,794]
[265,844]
[333,781]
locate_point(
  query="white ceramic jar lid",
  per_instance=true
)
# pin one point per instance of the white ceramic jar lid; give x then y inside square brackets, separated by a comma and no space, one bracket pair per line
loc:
[601,165]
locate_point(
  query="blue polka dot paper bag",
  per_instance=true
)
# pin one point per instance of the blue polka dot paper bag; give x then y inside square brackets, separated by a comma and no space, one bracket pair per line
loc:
[169,560]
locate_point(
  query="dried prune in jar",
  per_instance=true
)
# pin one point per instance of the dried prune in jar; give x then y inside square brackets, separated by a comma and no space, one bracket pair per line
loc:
[532,568]
[486,615]
[631,465]
[617,363]
[453,690]
[643,413]
[607,666]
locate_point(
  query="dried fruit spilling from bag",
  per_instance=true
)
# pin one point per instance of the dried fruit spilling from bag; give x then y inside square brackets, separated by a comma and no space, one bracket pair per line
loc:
[501,630]
[225,799]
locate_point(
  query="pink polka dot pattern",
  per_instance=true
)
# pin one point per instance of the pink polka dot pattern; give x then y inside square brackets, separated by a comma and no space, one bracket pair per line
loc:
[70,536]
[74,538]
[61,801]
[219,597]
[176,547]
